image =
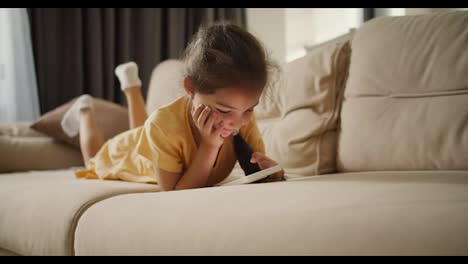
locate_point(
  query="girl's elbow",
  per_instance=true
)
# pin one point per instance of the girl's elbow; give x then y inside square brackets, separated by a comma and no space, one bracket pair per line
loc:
[166,188]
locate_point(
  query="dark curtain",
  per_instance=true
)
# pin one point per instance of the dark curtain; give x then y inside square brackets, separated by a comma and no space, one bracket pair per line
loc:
[77,49]
[369,13]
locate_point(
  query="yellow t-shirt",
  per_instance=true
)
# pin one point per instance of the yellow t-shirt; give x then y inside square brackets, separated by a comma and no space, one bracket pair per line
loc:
[166,140]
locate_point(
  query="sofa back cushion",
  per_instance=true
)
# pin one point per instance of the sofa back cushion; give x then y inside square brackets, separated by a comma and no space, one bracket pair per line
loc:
[405,105]
[166,84]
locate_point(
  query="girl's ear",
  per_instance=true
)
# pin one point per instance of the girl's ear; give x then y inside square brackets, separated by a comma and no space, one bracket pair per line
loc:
[188,86]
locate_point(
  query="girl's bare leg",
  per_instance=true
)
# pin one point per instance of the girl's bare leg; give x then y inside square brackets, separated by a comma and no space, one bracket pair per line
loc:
[136,106]
[80,118]
[91,139]
[130,83]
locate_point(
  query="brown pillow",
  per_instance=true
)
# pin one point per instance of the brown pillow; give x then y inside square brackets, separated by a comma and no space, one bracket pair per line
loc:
[111,120]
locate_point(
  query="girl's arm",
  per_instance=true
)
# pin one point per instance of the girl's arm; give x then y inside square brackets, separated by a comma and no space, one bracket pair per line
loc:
[196,176]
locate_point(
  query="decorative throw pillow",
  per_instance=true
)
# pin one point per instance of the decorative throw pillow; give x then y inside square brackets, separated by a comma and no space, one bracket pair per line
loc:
[304,140]
[111,120]
[269,105]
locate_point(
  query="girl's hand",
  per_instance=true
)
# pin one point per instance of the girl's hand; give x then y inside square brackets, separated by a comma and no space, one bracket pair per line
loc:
[264,163]
[206,120]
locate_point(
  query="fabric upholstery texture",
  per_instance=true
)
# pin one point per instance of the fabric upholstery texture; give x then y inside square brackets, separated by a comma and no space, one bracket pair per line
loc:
[405,100]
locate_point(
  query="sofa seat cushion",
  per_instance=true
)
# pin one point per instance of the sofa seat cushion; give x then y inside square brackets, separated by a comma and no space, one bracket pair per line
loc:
[39,210]
[374,213]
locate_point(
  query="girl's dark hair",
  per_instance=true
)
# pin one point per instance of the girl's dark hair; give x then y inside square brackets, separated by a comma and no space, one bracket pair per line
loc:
[225,54]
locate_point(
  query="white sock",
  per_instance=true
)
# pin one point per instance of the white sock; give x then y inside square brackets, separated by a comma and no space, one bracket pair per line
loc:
[71,120]
[127,73]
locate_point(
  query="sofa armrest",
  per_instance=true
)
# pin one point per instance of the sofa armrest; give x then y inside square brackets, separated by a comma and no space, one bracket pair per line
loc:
[23,148]
[19,129]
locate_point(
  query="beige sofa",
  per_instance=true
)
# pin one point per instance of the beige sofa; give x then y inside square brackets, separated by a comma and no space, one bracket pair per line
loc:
[372,131]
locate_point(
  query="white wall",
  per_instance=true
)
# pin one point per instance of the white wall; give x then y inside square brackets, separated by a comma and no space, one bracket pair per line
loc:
[268,25]
[311,26]
[411,11]
[285,31]
[390,12]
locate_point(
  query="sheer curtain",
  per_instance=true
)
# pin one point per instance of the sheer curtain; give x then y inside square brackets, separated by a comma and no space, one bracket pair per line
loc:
[19,99]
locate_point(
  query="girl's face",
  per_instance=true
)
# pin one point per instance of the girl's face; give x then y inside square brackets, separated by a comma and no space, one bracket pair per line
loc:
[234,104]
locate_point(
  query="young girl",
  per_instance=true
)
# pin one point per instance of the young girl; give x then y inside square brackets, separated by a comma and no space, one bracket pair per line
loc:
[188,143]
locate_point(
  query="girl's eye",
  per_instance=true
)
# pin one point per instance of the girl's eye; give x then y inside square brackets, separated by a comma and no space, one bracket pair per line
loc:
[226,112]
[223,112]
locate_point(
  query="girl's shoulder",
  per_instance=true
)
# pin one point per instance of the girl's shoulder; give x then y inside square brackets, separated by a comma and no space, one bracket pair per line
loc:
[171,117]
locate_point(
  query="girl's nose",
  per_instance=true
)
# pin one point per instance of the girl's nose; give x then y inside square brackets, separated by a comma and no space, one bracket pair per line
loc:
[235,122]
